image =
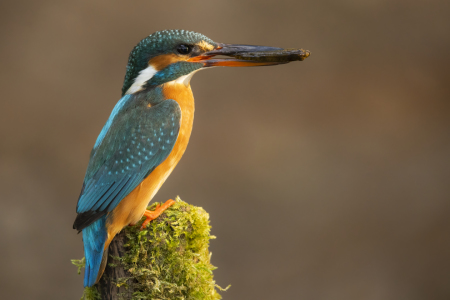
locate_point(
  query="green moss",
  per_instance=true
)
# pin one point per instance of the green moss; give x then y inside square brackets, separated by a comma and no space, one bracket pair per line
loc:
[170,259]
[91,293]
[79,263]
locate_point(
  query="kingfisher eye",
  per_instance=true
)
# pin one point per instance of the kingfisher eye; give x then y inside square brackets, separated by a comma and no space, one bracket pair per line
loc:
[184,49]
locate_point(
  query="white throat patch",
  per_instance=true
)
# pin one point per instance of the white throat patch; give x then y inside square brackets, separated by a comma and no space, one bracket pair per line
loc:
[147,74]
[185,79]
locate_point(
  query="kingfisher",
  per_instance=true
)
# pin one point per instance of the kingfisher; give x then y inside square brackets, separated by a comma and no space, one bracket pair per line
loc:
[146,135]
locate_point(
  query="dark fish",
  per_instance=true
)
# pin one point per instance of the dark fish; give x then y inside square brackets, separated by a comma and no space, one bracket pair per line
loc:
[284,55]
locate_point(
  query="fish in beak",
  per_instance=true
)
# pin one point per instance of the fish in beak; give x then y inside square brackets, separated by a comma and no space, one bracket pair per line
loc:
[234,55]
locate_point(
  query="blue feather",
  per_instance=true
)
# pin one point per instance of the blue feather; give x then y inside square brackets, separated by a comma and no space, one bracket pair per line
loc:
[94,238]
[119,162]
[117,108]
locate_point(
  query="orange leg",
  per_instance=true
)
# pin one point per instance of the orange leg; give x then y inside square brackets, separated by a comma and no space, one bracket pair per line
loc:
[157,206]
[151,215]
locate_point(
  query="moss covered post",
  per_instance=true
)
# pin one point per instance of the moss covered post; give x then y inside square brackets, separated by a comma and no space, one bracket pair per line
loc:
[168,260]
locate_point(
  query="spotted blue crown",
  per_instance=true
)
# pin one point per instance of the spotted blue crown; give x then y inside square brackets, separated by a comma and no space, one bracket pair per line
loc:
[161,42]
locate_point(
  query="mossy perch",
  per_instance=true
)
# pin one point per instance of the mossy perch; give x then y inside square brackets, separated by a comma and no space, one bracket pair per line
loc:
[168,260]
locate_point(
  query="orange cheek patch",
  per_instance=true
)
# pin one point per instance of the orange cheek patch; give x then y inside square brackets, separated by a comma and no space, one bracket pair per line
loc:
[199,58]
[161,61]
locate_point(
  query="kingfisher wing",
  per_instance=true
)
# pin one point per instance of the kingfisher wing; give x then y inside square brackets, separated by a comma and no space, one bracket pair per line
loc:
[135,140]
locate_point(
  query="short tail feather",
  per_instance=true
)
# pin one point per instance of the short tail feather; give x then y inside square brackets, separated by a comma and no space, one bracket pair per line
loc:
[94,238]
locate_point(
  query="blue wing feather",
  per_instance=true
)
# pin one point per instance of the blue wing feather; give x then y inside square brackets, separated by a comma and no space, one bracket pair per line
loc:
[133,142]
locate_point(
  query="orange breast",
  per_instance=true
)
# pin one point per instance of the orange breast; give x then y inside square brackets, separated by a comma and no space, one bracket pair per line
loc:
[132,207]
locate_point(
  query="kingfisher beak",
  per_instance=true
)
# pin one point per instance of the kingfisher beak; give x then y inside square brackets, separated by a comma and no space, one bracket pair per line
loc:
[248,56]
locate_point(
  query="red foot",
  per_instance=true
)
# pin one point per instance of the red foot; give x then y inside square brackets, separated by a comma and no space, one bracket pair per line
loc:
[151,215]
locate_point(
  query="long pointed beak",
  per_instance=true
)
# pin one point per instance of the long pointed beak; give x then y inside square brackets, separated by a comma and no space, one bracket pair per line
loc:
[248,56]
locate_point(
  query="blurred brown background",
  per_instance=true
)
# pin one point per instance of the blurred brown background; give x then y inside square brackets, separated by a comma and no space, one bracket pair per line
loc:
[325,179]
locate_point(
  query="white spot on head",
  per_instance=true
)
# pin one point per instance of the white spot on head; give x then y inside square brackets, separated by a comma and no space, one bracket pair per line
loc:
[144,76]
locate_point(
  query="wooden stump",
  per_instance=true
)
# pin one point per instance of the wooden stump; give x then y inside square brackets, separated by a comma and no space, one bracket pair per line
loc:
[168,260]
[107,284]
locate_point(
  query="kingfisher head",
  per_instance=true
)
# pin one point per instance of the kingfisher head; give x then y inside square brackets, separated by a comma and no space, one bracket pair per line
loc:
[175,55]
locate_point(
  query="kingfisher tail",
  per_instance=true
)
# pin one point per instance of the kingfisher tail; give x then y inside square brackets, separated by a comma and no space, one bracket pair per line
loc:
[94,238]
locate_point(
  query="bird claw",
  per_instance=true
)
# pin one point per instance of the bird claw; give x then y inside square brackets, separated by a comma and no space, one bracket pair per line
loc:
[151,215]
